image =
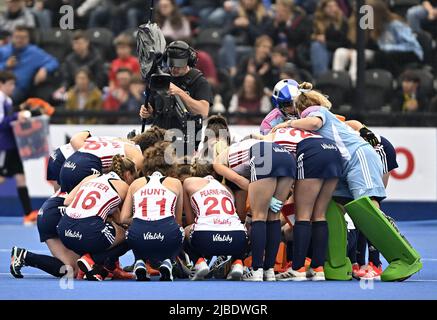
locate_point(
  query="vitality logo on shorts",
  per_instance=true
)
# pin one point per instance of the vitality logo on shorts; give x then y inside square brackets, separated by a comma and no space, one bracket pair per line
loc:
[328,146]
[154,236]
[70,165]
[220,238]
[73,234]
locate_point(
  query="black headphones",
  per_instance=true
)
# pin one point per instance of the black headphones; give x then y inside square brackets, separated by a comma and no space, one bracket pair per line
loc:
[184,47]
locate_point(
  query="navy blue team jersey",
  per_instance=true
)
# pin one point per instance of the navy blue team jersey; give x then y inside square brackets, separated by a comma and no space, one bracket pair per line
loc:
[388,155]
[318,158]
[77,167]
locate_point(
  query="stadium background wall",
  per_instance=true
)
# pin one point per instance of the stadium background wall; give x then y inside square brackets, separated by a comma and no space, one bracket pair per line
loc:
[412,190]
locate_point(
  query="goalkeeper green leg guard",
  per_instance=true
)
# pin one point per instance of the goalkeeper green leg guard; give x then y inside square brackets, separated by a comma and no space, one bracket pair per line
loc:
[337,265]
[403,260]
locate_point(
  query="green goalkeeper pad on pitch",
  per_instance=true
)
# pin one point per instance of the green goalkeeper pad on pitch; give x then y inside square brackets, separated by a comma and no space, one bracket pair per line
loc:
[403,259]
[337,265]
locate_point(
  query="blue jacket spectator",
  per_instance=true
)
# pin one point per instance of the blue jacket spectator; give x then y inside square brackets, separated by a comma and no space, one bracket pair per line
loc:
[30,64]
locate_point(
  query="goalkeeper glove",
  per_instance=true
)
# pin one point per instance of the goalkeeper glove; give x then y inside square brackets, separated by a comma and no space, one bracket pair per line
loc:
[369,136]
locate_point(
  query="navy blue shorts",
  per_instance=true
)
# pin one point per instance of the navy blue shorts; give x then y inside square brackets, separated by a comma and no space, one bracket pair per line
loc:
[78,166]
[219,243]
[270,160]
[318,158]
[155,240]
[56,160]
[387,153]
[88,235]
[48,218]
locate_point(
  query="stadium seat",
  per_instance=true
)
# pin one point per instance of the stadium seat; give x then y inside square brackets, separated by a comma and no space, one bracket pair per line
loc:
[336,84]
[401,7]
[57,42]
[427,43]
[209,40]
[101,39]
[379,85]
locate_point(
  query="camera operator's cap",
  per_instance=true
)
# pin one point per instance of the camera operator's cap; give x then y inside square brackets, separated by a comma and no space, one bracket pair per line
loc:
[178,54]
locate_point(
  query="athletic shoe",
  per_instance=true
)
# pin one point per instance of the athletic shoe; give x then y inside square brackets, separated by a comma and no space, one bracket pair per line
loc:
[236,271]
[86,264]
[254,275]
[269,275]
[316,274]
[129,268]
[285,268]
[140,271]
[17,261]
[31,218]
[80,275]
[373,272]
[221,267]
[358,272]
[119,274]
[293,275]
[165,269]
[200,270]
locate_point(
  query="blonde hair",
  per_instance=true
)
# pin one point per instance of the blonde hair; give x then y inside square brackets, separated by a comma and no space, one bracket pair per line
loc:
[310,97]
[121,164]
[260,11]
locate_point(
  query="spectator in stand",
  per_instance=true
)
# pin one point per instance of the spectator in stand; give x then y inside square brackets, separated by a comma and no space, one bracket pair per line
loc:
[330,32]
[290,71]
[279,60]
[174,25]
[30,64]
[84,96]
[409,97]
[136,95]
[123,45]
[259,63]
[292,27]
[207,66]
[397,44]
[250,99]
[43,16]
[16,15]
[120,94]
[249,21]
[422,14]
[309,6]
[346,58]
[82,56]
[210,13]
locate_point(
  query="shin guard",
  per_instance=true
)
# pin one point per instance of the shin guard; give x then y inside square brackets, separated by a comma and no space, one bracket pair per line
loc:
[337,265]
[404,260]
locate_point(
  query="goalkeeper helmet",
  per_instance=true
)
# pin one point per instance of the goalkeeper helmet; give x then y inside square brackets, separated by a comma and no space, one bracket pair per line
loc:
[284,93]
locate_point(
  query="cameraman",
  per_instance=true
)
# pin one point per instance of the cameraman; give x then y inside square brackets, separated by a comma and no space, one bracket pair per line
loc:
[186,82]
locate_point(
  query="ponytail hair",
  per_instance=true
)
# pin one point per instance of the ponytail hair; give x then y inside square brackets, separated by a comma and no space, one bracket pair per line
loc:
[309,97]
[121,164]
[160,157]
[201,168]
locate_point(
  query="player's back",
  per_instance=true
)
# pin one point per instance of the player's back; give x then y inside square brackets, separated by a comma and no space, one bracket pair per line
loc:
[346,139]
[104,148]
[154,201]
[214,207]
[95,197]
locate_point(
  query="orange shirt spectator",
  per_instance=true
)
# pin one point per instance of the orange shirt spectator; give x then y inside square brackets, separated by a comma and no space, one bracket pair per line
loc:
[125,60]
